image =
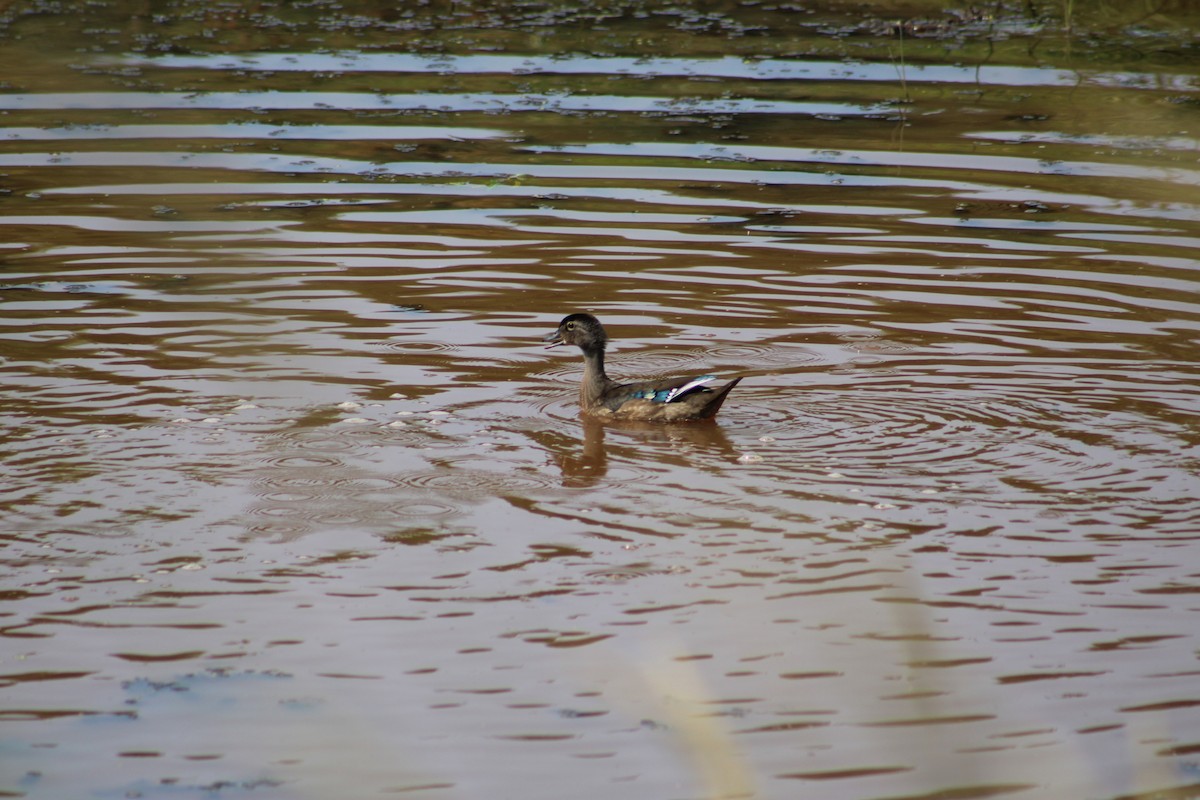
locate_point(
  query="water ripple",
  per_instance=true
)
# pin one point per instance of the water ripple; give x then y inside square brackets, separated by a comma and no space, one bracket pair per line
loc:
[491,102]
[774,69]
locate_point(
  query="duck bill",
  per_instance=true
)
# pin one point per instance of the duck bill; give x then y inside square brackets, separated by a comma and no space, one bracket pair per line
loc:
[553,340]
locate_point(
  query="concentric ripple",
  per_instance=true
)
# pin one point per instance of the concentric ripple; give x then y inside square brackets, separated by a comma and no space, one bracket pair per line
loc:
[471,482]
[1005,450]
[420,347]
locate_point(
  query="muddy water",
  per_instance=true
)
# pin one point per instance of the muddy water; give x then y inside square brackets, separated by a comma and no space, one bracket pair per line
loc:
[296,506]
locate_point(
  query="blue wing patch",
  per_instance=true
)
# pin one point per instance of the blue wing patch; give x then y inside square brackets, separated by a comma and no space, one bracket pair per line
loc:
[667,395]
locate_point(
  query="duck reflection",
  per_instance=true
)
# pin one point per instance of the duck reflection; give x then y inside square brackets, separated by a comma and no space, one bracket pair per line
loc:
[588,466]
[670,443]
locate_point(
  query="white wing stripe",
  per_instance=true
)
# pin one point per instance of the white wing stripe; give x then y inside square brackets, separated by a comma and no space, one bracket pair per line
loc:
[687,387]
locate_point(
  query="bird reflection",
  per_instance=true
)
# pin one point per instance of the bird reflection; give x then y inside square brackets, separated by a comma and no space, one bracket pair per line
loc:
[590,465]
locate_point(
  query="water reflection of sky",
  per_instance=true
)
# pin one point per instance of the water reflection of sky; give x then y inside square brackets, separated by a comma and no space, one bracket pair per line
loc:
[485,102]
[725,67]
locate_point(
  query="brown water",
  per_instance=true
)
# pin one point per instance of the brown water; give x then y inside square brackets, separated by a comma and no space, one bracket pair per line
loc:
[296,506]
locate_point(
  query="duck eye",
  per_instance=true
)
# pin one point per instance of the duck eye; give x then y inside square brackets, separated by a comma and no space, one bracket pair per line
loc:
[570,326]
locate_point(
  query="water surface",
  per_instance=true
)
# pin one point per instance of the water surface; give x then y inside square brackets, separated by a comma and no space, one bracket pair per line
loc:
[296,506]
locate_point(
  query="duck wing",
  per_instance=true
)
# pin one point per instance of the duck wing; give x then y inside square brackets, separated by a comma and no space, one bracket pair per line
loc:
[667,391]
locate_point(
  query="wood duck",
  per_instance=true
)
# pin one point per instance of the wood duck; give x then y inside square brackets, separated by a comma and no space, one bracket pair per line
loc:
[672,400]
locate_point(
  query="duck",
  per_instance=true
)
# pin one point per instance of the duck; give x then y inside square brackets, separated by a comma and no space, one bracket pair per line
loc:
[686,399]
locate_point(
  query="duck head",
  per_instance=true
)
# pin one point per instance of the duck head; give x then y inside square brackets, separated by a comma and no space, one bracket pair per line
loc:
[582,330]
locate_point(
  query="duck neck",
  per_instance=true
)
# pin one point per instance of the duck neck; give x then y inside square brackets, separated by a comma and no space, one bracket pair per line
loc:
[595,381]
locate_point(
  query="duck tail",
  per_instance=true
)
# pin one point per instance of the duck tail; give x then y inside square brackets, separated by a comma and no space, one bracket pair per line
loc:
[718,397]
